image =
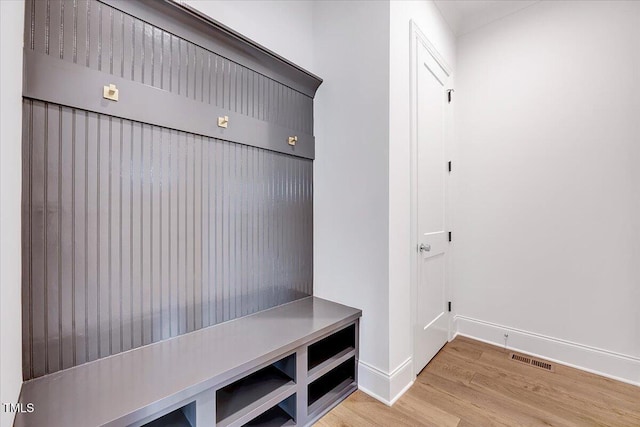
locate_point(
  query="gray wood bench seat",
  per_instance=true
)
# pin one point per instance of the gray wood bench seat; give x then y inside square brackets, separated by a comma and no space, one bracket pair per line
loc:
[243,369]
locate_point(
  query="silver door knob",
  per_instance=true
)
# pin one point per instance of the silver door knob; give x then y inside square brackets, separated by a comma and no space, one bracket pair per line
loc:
[425,248]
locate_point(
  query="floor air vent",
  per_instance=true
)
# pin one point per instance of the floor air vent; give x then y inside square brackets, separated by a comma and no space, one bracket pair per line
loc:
[536,363]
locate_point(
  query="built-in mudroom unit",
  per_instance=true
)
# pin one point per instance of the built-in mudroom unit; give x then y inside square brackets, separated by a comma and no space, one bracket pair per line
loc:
[168,226]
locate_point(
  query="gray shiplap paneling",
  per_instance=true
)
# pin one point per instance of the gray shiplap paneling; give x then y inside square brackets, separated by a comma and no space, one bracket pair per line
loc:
[135,233]
[103,38]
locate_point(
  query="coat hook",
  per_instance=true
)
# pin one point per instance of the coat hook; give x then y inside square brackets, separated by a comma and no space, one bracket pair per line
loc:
[110,92]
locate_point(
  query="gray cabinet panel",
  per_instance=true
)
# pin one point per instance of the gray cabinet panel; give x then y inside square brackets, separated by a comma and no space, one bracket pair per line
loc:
[136,233]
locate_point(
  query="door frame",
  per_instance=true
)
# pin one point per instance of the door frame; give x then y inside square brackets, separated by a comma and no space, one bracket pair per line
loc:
[418,38]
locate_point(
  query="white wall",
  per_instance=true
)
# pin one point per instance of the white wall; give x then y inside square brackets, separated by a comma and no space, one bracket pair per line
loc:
[11,33]
[283,26]
[427,17]
[351,193]
[547,230]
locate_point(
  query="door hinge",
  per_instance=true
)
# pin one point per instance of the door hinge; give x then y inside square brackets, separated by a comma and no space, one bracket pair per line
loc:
[449,305]
[450,237]
[449,166]
[449,92]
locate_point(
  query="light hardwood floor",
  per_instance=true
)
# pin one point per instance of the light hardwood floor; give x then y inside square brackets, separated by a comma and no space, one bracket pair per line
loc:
[470,383]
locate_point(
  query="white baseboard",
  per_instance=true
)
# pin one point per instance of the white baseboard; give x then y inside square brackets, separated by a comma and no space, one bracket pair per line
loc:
[609,364]
[401,380]
[373,382]
[383,386]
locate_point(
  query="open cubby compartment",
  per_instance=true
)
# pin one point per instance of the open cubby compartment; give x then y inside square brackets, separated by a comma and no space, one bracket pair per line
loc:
[181,417]
[331,351]
[250,395]
[281,415]
[331,386]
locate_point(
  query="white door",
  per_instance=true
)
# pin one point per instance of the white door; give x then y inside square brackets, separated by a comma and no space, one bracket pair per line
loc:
[431,311]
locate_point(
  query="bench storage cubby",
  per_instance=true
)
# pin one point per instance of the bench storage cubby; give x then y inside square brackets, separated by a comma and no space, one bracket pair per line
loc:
[286,366]
[244,397]
[181,417]
[283,414]
[327,388]
[331,351]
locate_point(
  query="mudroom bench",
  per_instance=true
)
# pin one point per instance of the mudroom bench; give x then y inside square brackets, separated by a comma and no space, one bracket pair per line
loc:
[284,366]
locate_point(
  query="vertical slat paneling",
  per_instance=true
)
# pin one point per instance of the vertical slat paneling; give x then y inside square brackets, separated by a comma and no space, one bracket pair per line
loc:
[181,301]
[29,14]
[243,248]
[198,70]
[40,26]
[147,54]
[103,234]
[79,176]
[156,237]
[183,65]
[133,233]
[156,49]
[37,256]
[164,240]
[219,78]
[27,158]
[66,224]
[128,47]
[55,27]
[52,236]
[227,83]
[117,45]
[165,61]
[252,229]
[262,185]
[136,235]
[137,37]
[115,236]
[93,218]
[146,221]
[126,235]
[198,231]
[220,248]
[228,230]
[207,253]
[81,38]
[189,237]
[170,185]
[96,35]
[94,23]
[106,39]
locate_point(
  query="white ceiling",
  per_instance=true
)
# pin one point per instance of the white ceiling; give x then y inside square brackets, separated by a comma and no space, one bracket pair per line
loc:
[467,15]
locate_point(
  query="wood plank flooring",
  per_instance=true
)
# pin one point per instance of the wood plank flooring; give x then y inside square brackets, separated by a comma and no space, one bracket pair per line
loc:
[470,383]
